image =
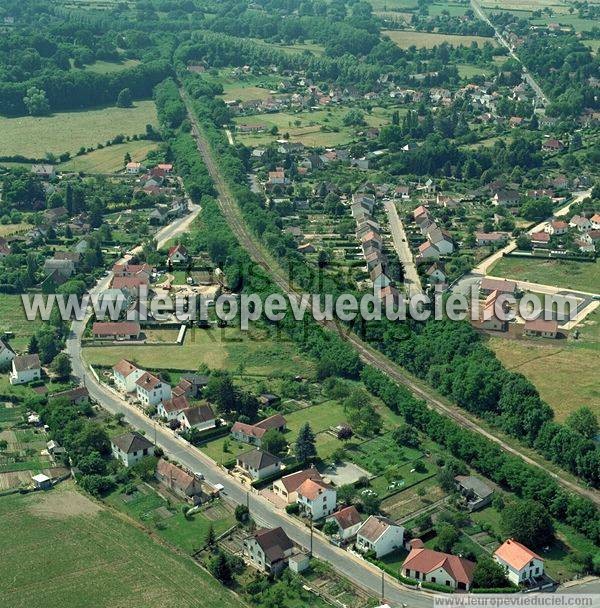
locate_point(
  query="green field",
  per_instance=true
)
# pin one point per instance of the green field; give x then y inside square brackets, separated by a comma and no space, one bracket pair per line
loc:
[468,70]
[227,348]
[407,38]
[12,318]
[551,366]
[74,553]
[583,276]
[308,130]
[110,159]
[110,67]
[33,136]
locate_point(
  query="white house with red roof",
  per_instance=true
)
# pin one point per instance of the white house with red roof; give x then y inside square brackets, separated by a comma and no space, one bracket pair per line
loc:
[316,498]
[151,390]
[125,375]
[595,221]
[522,563]
[348,521]
[253,433]
[432,566]
[177,254]
[379,534]
[172,408]
[287,487]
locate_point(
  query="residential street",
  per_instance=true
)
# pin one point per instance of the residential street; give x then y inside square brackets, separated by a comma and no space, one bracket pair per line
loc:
[412,281]
[264,512]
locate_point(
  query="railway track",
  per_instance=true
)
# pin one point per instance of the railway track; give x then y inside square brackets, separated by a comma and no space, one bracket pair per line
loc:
[368,354]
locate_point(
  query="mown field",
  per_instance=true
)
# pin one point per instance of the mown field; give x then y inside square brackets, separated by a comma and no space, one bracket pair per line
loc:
[109,67]
[583,276]
[565,373]
[110,159]
[74,553]
[407,38]
[231,349]
[306,127]
[34,136]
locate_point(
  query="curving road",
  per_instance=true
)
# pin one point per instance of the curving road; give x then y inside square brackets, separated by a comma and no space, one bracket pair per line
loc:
[360,572]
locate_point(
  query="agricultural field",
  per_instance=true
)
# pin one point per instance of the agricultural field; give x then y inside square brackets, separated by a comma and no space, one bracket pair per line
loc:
[468,70]
[582,276]
[12,318]
[393,5]
[109,159]
[100,555]
[229,348]
[10,229]
[33,136]
[420,496]
[319,128]
[407,38]
[551,366]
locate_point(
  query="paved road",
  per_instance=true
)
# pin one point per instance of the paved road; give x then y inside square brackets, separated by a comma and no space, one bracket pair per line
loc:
[412,281]
[360,572]
[526,74]
[367,353]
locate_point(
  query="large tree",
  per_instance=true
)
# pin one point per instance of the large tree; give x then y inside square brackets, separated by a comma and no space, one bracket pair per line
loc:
[528,522]
[584,422]
[305,444]
[489,574]
[274,442]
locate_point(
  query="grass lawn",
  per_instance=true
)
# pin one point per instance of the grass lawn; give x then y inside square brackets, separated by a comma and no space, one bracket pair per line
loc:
[33,136]
[308,129]
[12,318]
[468,70]
[584,276]
[109,160]
[320,417]
[228,348]
[407,38]
[110,67]
[552,366]
[187,535]
[392,5]
[71,551]
[380,453]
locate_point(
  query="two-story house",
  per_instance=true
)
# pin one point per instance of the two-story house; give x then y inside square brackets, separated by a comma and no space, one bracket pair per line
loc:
[316,498]
[379,534]
[130,448]
[151,390]
[521,563]
[125,375]
[269,549]
[25,368]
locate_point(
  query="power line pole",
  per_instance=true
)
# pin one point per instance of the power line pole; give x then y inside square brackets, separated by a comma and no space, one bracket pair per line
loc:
[382,586]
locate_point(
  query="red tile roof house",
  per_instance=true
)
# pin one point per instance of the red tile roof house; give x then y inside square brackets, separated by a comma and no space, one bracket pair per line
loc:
[253,433]
[171,408]
[179,481]
[431,566]
[316,498]
[151,390]
[522,564]
[269,550]
[286,487]
[125,330]
[177,254]
[540,238]
[541,328]
[379,534]
[489,285]
[125,375]
[348,521]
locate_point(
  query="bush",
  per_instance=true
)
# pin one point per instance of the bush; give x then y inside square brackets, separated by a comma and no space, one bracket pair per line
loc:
[436,587]
[293,509]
